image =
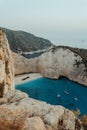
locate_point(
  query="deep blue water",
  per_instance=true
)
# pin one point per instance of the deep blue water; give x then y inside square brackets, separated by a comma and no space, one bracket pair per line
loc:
[57,92]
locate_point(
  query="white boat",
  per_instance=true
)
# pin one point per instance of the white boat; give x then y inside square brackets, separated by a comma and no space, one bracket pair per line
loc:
[58,95]
[66,92]
[76,99]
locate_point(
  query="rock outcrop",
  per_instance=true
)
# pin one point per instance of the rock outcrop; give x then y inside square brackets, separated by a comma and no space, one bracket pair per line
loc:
[19,112]
[63,61]
[23,113]
[59,61]
[6,66]
[23,65]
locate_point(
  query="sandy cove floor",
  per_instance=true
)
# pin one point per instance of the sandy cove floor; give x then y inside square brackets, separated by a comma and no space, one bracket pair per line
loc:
[32,76]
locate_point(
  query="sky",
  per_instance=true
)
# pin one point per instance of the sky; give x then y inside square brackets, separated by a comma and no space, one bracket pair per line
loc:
[63,22]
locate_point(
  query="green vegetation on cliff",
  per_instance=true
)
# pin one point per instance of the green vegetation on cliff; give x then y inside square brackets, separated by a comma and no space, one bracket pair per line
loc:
[26,42]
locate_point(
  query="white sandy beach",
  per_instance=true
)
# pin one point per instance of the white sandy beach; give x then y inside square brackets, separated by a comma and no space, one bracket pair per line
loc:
[28,77]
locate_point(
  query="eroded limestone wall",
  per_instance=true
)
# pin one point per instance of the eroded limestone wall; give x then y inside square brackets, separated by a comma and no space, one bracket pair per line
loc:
[54,63]
[63,62]
[6,66]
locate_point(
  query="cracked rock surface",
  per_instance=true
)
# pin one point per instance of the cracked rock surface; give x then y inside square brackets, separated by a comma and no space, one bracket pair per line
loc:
[6,66]
[19,112]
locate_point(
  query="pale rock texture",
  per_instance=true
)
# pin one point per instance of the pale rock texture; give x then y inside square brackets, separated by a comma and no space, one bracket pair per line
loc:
[17,110]
[34,123]
[6,66]
[23,65]
[23,113]
[59,61]
[62,61]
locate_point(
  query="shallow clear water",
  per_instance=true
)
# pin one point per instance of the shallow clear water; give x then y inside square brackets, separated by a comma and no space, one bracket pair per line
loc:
[63,92]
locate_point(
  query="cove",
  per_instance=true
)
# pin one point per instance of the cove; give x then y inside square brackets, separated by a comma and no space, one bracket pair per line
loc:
[57,92]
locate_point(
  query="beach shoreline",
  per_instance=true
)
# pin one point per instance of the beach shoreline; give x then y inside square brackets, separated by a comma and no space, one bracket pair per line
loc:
[23,78]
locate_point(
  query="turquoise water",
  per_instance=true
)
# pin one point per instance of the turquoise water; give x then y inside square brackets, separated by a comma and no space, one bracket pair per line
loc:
[57,92]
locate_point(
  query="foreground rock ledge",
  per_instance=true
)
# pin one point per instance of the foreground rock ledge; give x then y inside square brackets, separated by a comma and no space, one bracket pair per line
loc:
[19,112]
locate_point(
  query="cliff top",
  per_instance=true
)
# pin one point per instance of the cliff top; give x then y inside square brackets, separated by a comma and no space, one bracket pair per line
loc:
[79,51]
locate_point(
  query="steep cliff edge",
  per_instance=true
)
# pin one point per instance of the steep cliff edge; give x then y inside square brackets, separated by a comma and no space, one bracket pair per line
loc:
[23,65]
[6,66]
[19,112]
[22,113]
[58,61]
[63,61]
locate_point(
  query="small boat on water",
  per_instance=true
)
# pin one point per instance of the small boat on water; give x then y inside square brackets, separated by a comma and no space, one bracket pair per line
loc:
[66,92]
[58,95]
[76,99]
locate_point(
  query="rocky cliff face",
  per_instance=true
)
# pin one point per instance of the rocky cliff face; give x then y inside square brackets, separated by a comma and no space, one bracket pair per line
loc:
[6,67]
[59,61]
[19,112]
[23,65]
[63,61]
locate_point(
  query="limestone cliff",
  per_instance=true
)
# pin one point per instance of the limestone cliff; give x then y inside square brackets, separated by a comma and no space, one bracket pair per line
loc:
[63,61]
[18,111]
[59,61]
[23,65]
[6,67]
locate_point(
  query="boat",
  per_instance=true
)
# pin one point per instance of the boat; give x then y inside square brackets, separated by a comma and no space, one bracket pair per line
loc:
[76,99]
[58,95]
[66,92]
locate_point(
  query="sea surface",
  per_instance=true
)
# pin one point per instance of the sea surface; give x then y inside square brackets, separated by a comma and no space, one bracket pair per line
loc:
[57,92]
